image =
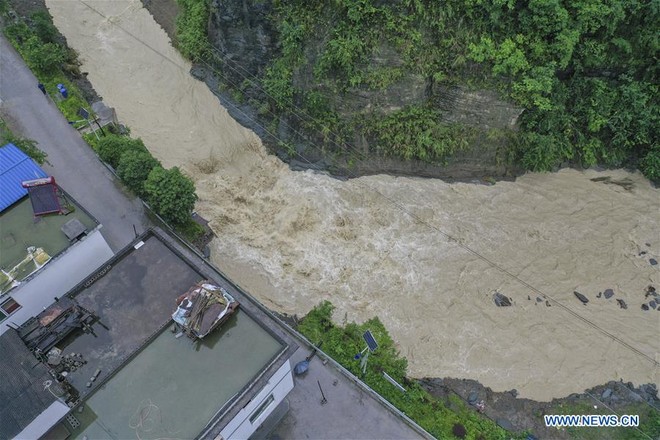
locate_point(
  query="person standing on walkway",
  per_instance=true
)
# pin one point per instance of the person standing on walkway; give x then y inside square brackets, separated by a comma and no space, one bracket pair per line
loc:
[42,88]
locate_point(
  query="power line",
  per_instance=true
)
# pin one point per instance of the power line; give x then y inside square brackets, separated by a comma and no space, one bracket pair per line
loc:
[408,212]
[412,215]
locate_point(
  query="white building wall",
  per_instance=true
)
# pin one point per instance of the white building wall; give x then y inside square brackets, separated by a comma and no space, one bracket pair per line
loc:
[43,422]
[279,385]
[57,277]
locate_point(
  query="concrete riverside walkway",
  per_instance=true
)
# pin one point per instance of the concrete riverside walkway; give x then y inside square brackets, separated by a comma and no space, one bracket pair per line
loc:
[71,161]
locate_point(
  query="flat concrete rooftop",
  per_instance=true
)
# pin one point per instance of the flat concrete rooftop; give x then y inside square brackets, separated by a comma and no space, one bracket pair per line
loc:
[173,387]
[21,229]
[144,367]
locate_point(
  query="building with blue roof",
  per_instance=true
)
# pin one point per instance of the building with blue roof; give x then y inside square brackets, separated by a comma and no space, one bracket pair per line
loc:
[15,168]
[40,250]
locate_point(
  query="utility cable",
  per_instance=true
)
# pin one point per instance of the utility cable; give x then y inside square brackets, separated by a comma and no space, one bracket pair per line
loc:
[409,213]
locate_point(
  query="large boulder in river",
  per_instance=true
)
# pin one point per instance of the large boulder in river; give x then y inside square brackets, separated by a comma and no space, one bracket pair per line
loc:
[501,300]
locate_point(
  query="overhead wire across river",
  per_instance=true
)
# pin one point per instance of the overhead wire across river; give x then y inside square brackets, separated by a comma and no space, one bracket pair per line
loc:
[410,258]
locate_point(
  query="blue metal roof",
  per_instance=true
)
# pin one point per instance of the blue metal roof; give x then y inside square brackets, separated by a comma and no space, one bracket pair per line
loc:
[15,167]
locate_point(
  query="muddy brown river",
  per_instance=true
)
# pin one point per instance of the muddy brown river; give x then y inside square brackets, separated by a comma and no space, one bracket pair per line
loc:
[294,239]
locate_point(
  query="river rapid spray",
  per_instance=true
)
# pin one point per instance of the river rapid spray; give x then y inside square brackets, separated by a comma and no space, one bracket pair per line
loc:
[294,239]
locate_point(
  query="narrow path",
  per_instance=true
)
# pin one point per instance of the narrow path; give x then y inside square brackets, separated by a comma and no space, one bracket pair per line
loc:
[71,161]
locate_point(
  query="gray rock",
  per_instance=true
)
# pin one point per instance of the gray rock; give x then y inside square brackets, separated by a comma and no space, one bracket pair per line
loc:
[581,297]
[539,299]
[652,303]
[606,394]
[608,293]
[622,303]
[645,307]
[472,398]
[501,300]
[505,424]
[653,261]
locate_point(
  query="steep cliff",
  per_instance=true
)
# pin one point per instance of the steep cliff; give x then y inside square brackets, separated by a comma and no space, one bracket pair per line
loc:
[320,119]
[459,89]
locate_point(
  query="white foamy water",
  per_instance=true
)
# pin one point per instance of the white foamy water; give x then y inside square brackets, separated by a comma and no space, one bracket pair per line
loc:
[294,239]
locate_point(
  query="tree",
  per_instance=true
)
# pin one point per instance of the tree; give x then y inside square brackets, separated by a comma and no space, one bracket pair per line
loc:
[134,168]
[111,147]
[170,194]
[43,57]
[650,165]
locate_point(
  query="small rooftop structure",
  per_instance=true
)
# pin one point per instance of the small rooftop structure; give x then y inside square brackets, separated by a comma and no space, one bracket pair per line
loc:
[44,196]
[15,168]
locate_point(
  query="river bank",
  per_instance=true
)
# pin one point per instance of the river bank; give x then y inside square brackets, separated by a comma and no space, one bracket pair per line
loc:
[297,238]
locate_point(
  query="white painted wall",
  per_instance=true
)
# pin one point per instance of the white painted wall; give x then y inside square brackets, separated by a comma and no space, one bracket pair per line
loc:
[278,385]
[57,277]
[44,421]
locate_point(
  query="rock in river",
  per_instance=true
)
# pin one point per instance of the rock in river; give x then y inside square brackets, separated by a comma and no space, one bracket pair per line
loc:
[501,300]
[581,297]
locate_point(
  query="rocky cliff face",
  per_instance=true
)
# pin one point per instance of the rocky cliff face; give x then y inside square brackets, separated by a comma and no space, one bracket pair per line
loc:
[245,36]
[243,33]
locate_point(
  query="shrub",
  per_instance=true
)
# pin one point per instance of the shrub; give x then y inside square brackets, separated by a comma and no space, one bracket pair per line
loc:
[27,146]
[459,430]
[416,132]
[43,26]
[43,57]
[170,194]
[134,168]
[18,32]
[650,164]
[191,29]
[111,147]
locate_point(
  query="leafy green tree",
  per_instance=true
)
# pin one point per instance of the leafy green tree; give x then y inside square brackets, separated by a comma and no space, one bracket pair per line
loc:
[134,168]
[43,57]
[111,147]
[650,164]
[170,194]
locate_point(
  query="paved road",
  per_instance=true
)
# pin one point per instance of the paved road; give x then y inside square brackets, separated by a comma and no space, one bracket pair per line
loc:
[72,162]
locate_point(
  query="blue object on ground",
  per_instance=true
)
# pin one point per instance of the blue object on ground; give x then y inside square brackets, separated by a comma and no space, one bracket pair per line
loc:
[63,91]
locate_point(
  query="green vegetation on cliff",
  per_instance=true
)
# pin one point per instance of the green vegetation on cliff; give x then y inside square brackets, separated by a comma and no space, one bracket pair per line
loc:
[584,72]
[191,29]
